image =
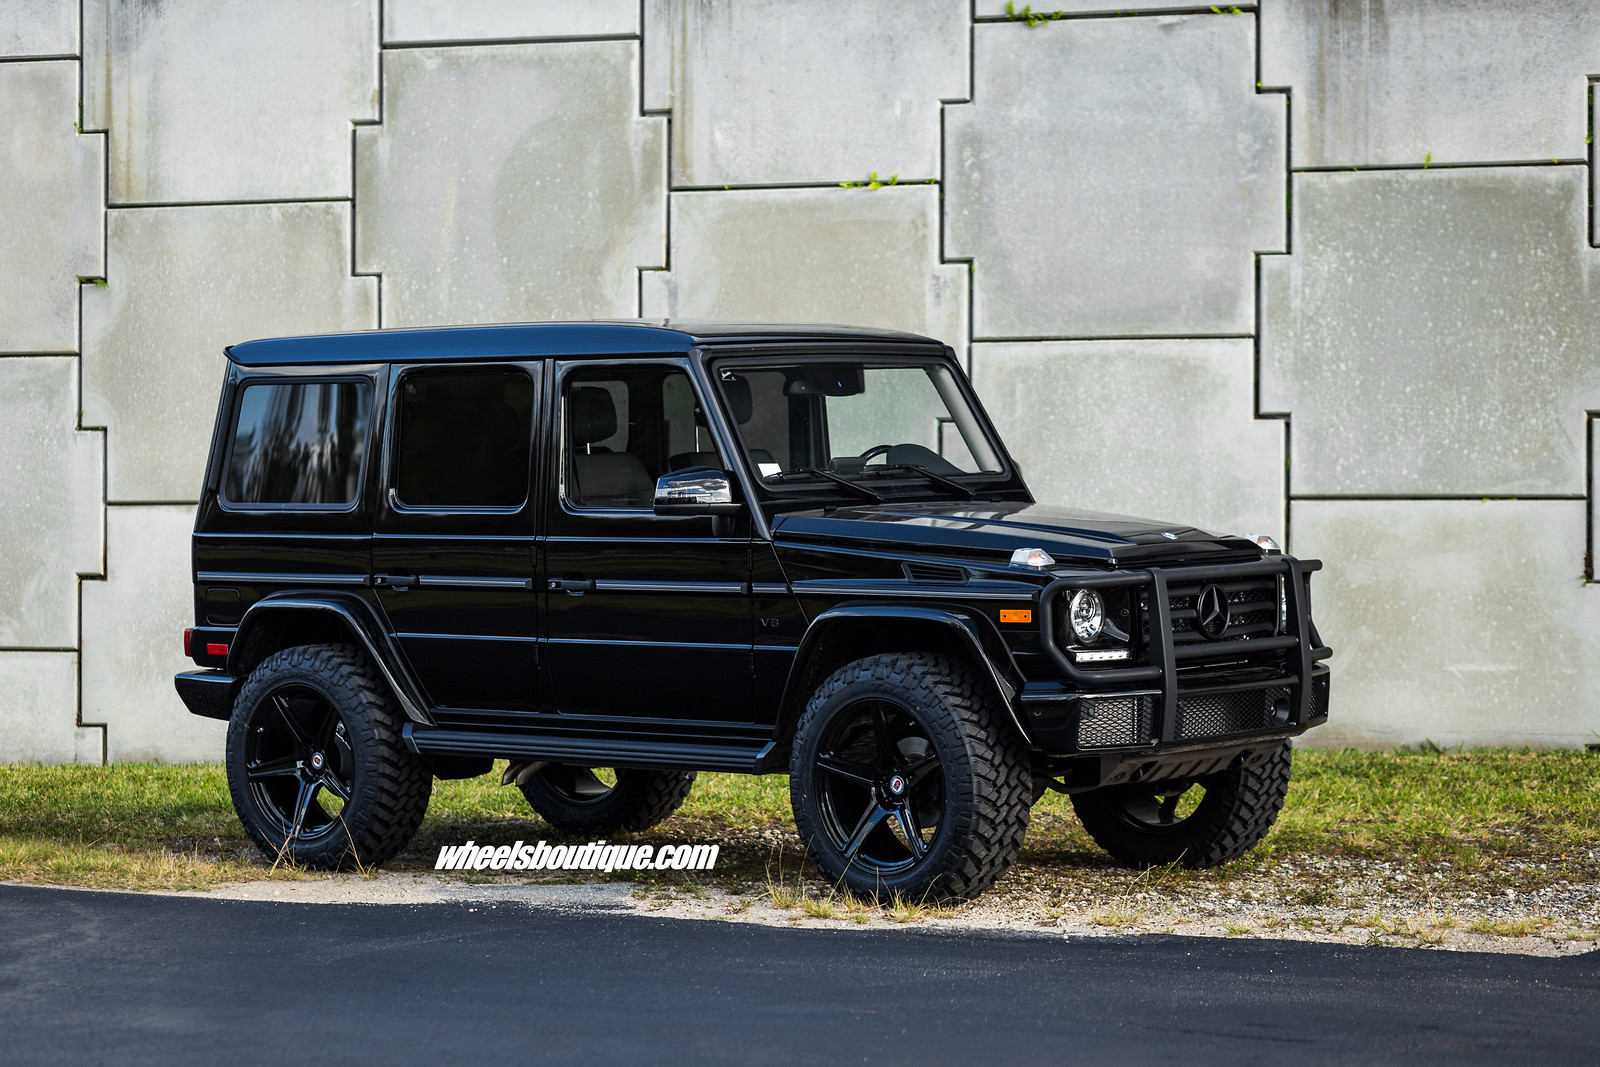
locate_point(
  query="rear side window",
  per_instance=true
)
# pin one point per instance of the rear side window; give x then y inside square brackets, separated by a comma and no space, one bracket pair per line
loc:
[299,443]
[465,439]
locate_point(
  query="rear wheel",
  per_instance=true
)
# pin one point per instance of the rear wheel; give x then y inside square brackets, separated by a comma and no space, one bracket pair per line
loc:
[906,781]
[600,800]
[1198,823]
[316,767]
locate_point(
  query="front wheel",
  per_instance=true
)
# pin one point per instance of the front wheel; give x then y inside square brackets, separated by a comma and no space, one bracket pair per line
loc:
[1199,824]
[599,800]
[906,781]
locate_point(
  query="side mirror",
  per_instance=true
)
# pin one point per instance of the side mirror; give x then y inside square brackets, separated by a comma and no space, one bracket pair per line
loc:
[696,491]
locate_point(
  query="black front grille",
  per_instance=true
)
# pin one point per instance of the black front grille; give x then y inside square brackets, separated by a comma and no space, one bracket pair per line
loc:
[1252,609]
[1220,714]
[1109,721]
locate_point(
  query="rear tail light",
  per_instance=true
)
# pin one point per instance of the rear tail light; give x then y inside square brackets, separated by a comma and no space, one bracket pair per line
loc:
[188,636]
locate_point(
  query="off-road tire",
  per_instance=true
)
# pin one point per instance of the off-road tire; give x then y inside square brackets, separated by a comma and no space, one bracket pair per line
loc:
[987,784]
[1239,807]
[639,800]
[389,785]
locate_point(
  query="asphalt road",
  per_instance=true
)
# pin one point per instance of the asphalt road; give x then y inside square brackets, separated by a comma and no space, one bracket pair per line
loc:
[103,977]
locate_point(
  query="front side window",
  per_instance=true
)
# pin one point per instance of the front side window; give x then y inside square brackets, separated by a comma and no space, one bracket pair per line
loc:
[465,439]
[299,443]
[624,427]
[855,420]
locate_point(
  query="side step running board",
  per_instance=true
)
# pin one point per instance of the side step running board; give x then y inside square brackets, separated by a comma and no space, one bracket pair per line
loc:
[587,751]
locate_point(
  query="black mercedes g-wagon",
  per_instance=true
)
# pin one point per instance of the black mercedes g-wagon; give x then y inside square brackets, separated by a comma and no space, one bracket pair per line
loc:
[618,553]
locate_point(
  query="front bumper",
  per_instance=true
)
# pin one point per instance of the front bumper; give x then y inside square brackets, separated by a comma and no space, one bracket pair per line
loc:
[1129,713]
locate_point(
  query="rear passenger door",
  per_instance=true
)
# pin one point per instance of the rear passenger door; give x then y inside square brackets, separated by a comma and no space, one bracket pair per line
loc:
[453,550]
[649,616]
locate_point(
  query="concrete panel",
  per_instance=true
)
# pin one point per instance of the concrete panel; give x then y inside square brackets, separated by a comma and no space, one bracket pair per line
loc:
[133,640]
[859,257]
[564,200]
[997,8]
[183,283]
[767,91]
[1063,177]
[1434,331]
[50,207]
[1162,429]
[234,101]
[50,511]
[411,21]
[38,28]
[1377,82]
[41,690]
[1454,621]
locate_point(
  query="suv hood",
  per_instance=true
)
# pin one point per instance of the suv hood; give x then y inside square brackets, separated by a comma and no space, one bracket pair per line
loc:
[991,529]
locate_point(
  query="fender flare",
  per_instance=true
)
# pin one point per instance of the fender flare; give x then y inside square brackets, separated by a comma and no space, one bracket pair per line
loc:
[976,633]
[358,619]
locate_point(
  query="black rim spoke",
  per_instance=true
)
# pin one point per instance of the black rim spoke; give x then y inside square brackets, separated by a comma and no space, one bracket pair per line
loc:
[859,773]
[917,770]
[869,822]
[290,723]
[302,804]
[887,752]
[907,814]
[1169,809]
[275,768]
[331,783]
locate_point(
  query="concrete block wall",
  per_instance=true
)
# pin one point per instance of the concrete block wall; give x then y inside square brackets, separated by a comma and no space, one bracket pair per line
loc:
[1317,268]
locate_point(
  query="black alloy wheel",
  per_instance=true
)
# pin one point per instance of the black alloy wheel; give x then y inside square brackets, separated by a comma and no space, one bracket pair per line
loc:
[317,768]
[907,781]
[1197,822]
[877,781]
[600,800]
[298,763]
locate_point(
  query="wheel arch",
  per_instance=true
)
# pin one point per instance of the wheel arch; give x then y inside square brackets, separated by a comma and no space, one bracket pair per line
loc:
[279,622]
[850,632]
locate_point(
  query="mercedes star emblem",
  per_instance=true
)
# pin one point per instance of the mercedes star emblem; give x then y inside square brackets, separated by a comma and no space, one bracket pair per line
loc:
[1211,612]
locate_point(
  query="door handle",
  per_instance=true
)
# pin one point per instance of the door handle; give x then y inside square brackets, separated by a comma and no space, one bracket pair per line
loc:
[571,586]
[394,581]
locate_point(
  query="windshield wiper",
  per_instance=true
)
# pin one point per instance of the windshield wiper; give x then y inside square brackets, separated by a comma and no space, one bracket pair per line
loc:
[818,472]
[937,479]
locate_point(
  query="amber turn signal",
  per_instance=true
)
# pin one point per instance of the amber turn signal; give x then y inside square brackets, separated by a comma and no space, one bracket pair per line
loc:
[1016,614]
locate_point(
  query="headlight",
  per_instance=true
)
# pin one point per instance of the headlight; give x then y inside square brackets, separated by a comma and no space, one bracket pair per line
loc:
[1087,614]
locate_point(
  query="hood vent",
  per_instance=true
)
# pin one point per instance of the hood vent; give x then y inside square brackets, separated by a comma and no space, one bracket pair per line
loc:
[935,572]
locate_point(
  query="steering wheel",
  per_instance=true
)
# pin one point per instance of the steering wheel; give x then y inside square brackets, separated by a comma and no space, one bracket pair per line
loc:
[873,452]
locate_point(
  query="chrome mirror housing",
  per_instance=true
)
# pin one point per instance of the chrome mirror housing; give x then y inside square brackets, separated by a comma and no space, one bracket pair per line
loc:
[697,491]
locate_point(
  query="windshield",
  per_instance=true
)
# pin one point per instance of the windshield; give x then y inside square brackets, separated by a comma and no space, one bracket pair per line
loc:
[856,420]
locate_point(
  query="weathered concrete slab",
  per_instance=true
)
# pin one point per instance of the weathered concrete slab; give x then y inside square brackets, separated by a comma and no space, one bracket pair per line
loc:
[133,640]
[1061,177]
[38,28]
[253,104]
[855,256]
[1160,429]
[50,207]
[411,21]
[1434,331]
[41,691]
[50,511]
[1377,82]
[768,91]
[183,282]
[1454,621]
[564,201]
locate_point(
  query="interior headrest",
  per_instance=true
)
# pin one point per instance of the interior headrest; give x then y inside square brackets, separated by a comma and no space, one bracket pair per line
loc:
[591,413]
[737,391]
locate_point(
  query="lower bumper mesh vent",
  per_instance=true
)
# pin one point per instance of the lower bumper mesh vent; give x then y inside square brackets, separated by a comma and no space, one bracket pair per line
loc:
[1109,721]
[1220,714]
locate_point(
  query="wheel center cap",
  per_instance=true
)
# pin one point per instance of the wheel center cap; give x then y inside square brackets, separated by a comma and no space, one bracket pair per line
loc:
[317,760]
[897,785]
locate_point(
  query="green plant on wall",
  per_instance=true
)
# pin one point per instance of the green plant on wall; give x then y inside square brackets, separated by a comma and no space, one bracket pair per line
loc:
[1029,16]
[875,182]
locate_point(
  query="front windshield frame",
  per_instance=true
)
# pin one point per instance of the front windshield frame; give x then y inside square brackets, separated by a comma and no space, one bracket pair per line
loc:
[897,486]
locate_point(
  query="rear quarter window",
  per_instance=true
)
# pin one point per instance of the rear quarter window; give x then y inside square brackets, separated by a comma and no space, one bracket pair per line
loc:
[298,444]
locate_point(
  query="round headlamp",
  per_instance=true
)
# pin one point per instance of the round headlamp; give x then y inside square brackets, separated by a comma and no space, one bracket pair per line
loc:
[1086,613]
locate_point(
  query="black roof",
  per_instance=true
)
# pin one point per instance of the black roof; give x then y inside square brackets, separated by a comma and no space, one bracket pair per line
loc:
[523,340]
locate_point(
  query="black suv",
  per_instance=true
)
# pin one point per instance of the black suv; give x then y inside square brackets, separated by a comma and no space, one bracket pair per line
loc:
[617,553]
